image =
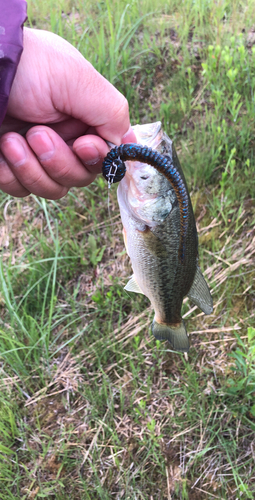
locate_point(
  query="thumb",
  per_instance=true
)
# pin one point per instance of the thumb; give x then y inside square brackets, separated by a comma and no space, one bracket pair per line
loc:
[78,90]
[100,105]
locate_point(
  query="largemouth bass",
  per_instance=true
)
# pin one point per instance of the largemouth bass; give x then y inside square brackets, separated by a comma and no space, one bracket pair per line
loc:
[160,234]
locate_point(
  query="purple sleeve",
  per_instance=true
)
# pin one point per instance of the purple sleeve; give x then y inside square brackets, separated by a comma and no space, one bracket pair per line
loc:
[12,17]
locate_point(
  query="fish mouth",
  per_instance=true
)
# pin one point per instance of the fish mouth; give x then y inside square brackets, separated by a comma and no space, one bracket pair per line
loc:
[152,135]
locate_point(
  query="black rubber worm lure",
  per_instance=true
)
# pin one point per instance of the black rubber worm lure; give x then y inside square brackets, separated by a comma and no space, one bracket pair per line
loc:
[114,170]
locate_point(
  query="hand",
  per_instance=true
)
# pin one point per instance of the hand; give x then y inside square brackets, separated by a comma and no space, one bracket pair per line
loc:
[76,108]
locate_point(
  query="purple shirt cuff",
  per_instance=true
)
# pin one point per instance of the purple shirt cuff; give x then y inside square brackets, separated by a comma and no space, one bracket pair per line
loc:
[12,17]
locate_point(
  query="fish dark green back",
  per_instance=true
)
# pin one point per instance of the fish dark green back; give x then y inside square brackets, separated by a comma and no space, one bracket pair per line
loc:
[182,273]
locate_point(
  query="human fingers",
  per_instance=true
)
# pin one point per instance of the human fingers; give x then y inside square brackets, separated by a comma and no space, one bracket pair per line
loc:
[8,182]
[82,149]
[91,157]
[27,170]
[60,161]
[62,165]
[98,103]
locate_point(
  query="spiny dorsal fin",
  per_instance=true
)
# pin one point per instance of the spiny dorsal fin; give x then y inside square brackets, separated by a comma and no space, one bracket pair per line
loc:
[132,286]
[200,293]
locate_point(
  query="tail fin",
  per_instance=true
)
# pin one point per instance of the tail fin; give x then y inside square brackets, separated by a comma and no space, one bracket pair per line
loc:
[176,335]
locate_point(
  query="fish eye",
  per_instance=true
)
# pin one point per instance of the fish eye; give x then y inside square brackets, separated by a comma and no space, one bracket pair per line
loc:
[144,177]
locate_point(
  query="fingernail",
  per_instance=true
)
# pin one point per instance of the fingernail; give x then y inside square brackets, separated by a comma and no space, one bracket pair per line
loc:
[42,145]
[90,153]
[129,136]
[15,151]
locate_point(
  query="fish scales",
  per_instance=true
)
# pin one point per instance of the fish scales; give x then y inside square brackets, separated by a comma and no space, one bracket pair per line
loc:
[152,255]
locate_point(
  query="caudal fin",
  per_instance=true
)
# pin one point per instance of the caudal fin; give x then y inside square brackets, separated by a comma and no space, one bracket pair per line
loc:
[176,335]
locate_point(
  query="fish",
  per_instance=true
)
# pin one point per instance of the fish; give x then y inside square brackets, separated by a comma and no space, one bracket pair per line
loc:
[160,234]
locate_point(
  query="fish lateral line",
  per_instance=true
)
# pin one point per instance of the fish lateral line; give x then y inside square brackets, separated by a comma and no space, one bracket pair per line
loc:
[163,164]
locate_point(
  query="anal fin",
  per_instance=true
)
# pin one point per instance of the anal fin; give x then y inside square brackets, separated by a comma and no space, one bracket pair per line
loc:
[132,286]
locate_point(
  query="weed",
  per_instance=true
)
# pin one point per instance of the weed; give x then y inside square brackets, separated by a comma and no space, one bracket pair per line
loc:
[243,385]
[91,405]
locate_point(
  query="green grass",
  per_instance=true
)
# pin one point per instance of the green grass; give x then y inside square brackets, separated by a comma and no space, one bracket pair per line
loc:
[91,406]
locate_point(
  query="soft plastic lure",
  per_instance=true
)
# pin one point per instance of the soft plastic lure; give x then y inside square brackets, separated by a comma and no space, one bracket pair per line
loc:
[114,170]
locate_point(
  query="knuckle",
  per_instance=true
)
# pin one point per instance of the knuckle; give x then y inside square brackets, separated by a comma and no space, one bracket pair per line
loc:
[62,173]
[14,188]
[123,108]
[34,181]
[59,193]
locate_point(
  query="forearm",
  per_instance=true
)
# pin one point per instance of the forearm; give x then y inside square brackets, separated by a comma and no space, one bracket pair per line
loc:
[12,17]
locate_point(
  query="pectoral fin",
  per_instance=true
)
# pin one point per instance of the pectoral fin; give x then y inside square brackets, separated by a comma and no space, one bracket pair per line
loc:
[199,293]
[132,286]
